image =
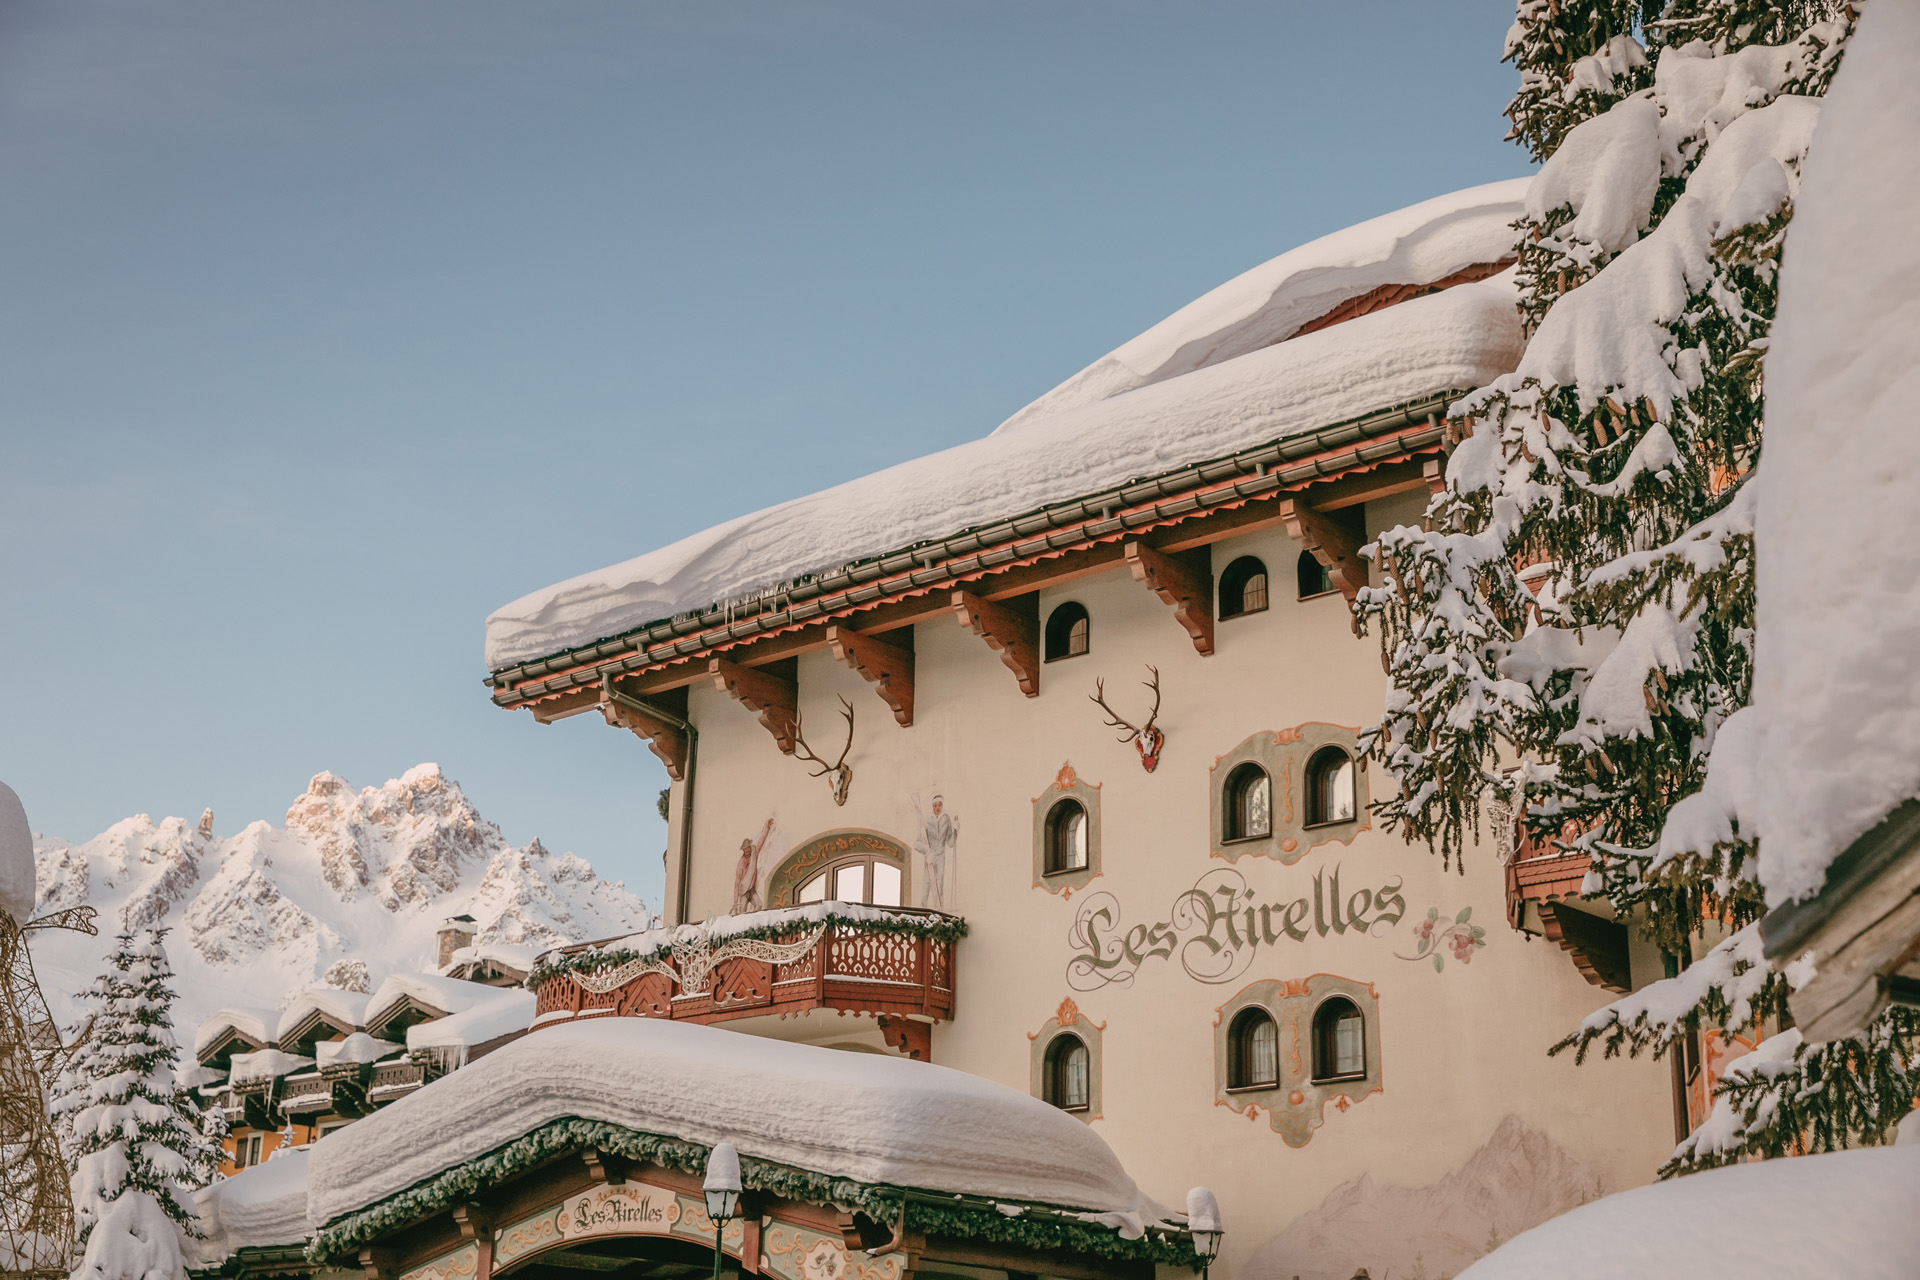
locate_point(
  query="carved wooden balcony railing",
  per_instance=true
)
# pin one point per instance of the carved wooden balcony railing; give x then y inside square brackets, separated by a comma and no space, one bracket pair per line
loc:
[1541,872]
[900,969]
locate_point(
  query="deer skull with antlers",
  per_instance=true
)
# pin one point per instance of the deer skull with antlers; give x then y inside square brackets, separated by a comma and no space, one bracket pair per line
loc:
[839,771]
[1146,738]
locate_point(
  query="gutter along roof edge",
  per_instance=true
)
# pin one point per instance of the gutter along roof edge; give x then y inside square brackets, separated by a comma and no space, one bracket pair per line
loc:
[929,564]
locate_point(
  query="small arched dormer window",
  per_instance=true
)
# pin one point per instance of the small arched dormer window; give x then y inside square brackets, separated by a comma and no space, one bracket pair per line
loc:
[1253,1051]
[1066,837]
[874,881]
[1243,587]
[1339,1041]
[1314,578]
[1329,787]
[1064,1081]
[1247,806]
[1067,628]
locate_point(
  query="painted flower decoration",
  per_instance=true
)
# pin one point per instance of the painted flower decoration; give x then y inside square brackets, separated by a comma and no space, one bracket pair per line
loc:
[1436,937]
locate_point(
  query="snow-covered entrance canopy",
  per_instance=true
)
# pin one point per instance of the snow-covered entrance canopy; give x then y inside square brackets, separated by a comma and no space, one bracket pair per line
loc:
[1225,373]
[873,1120]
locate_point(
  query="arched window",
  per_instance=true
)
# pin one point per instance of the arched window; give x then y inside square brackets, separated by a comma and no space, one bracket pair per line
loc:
[1253,1051]
[1243,587]
[1329,787]
[1064,1082]
[1339,1041]
[1314,578]
[1067,631]
[1247,807]
[874,881]
[1066,837]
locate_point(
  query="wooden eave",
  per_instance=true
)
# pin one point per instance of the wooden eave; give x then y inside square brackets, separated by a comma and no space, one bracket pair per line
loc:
[1361,461]
[220,1050]
[380,1020]
[317,1025]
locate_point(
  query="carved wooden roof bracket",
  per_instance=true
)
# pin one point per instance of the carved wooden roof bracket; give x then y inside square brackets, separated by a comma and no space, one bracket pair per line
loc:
[1184,583]
[775,699]
[881,661]
[1013,634]
[659,727]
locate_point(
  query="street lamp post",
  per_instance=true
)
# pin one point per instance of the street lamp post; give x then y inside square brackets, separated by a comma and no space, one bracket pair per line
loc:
[1203,1224]
[723,1193]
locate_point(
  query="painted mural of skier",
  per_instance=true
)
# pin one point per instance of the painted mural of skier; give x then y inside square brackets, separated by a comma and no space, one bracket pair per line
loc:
[935,835]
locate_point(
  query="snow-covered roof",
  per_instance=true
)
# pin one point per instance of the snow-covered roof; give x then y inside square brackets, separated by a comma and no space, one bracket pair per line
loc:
[192,1075]
[870,1118]
[1417,245]
[256,1023]
[267,1064]
[1834,654]
[259,1207]
[449,995]
[1219,376]
[358,1047]
[1848,1213]
[349,1007]
[511,955]
[510,1010]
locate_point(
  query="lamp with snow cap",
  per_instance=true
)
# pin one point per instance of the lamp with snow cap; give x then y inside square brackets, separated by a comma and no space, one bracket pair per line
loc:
[722,1189]
[1203,1224]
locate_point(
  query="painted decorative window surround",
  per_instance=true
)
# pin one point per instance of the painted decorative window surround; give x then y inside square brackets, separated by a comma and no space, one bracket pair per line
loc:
[1067,1020]
[1296,1103]
[1284,755]
[821,852]
[1067,785]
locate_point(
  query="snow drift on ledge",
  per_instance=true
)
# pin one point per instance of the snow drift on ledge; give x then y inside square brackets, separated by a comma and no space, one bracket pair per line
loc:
[352,889]
[870,1118]
[1837,534]
[1236,399]
[1846,1214]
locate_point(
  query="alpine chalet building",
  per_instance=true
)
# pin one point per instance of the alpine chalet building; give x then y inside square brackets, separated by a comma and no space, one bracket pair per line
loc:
[1040,759]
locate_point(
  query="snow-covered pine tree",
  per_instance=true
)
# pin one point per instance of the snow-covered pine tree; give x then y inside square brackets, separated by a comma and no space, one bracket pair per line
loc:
[137,1146]
[1583,595]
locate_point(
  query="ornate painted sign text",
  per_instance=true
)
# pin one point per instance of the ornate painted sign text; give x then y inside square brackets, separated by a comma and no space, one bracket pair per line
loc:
[1214,929]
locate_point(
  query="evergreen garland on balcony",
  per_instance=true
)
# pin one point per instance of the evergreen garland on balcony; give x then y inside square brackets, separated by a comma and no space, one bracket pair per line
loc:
[936,928]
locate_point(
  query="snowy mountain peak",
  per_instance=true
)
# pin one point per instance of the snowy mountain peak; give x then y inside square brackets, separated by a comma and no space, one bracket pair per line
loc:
[351,890]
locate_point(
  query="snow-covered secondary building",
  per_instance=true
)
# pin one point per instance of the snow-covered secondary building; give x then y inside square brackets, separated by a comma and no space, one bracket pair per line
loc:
[1038,760]
[285,1077]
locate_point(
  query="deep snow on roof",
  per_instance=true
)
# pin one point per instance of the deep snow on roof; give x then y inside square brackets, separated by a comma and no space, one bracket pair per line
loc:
[870,1118]
[1847,1213]
[1220,375]
[259,1207]
[1419,244]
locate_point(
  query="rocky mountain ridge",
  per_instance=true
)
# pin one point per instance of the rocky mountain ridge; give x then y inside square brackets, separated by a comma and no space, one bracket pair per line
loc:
[354,887]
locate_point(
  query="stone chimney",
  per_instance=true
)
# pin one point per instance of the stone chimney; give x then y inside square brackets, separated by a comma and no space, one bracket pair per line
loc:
[455,932]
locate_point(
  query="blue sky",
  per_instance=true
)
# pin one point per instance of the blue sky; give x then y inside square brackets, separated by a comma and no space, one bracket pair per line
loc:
[327,328]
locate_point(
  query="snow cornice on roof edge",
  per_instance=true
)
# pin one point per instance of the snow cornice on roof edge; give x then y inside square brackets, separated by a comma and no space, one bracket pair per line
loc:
[1133,508]
[1433,326]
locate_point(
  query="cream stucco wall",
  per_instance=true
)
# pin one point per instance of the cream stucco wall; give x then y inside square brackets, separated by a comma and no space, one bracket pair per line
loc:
[1461,1049]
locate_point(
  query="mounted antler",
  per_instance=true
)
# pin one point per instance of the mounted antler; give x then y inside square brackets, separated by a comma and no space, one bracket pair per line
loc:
[1147,739]
[840,771]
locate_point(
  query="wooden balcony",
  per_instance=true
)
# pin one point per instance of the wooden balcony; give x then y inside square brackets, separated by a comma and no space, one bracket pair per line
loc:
[904,976]
[1543,888]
